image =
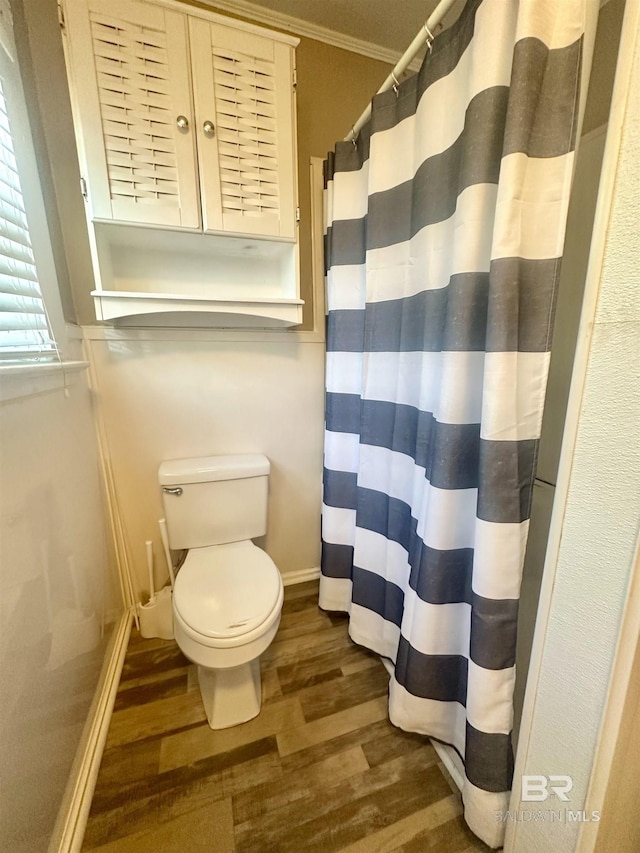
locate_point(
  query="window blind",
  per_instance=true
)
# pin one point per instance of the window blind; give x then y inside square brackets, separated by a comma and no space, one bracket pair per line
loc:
[24,328]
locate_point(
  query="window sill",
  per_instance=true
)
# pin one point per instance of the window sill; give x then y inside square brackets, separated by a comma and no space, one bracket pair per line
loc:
[25,380]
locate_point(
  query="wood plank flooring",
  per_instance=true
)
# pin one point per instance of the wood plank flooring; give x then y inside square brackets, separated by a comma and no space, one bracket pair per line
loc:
[320,770]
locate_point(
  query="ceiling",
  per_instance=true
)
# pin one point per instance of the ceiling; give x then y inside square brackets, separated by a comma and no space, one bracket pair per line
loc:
[390,24]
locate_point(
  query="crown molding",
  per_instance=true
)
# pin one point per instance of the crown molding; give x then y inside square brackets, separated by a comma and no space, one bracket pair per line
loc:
[290,24]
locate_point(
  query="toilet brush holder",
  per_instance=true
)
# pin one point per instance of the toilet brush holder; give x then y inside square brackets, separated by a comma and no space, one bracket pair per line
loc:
[156,617]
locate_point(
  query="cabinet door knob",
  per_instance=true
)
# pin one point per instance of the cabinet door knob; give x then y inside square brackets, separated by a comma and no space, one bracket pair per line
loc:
[182,122]
[209,128]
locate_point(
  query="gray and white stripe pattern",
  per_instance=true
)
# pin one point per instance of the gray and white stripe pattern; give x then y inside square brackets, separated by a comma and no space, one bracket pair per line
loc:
[444,238]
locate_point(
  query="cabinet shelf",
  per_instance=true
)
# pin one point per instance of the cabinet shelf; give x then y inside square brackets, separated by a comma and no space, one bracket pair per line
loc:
[147,274]
[167,309]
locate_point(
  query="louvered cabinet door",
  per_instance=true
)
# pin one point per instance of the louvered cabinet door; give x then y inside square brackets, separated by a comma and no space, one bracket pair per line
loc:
[131,82]
[243,93]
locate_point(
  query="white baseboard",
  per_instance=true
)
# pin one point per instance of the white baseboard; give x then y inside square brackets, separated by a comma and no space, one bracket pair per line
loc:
[301,576]
[72,818]
[451,761]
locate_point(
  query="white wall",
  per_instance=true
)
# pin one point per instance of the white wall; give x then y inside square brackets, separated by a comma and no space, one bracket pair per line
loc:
[585,590]
[52,627]
[169,395]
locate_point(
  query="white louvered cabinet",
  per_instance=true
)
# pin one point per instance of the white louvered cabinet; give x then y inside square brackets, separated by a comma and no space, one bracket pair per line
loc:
[131,80]
[185,122]
[242,90]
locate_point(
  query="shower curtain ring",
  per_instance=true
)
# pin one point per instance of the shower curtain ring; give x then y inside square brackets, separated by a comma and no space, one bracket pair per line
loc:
[354,136]
[430,36]
[396,83]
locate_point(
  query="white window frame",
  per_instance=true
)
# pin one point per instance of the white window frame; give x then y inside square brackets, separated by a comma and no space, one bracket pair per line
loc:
[27,375]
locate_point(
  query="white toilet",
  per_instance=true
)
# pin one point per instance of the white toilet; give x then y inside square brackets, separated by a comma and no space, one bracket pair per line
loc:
[227,596]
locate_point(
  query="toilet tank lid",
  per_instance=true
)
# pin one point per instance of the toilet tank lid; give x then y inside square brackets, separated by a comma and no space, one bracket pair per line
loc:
[206,469]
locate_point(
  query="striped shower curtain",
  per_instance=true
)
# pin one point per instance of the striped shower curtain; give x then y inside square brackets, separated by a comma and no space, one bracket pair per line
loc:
[445,232]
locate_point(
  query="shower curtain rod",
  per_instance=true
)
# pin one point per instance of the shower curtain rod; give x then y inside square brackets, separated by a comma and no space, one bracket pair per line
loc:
[426,34]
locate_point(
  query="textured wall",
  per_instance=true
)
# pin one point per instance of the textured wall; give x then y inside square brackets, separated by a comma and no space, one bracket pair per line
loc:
[58,600]
[57,597]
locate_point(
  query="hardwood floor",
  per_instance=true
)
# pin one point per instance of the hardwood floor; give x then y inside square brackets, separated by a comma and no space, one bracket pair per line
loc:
[320,769]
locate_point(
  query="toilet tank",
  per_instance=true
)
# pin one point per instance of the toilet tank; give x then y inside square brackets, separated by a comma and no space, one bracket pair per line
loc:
[211,500]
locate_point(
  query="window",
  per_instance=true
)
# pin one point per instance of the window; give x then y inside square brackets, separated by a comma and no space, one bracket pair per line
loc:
[24,327]
[30,331]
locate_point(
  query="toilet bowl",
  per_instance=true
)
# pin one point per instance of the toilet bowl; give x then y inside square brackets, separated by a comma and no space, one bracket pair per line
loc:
[228,595]
[227,602]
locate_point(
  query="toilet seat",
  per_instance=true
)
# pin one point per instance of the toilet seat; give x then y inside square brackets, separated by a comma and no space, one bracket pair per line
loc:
[227,595]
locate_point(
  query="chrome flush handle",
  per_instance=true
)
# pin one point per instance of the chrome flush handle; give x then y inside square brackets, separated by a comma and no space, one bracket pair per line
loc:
[175,491]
